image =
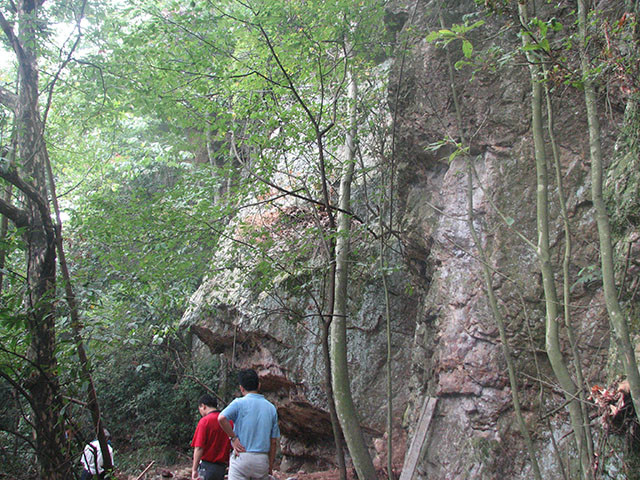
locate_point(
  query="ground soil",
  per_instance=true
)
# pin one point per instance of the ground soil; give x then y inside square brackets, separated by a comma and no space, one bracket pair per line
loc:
[183,472]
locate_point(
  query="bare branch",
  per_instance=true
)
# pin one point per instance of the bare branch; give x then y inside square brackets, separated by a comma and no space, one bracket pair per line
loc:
[64,63]
[24,438]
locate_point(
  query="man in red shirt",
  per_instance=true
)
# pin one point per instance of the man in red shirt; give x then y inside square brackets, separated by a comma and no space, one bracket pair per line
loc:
[211,444]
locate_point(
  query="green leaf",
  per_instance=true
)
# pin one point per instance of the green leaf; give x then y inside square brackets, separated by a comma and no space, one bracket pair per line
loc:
[440,34]
[544,44]
[433,36]
[446,33]
[467,48]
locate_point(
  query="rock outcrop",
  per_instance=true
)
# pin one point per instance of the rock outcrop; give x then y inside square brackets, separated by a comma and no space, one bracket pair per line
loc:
[445,340]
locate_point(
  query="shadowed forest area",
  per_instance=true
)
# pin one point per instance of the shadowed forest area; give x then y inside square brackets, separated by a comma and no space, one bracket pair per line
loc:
[417,220]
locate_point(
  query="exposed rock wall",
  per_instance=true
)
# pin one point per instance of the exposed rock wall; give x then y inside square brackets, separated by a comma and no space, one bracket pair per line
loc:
[445,340]
[457,352]
[246,329]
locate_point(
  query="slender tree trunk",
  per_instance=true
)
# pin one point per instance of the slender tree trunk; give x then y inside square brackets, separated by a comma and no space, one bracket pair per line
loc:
[340,370]
[614,309]
[76,325]
[328,383]
[325,325]
[566,279]
[552,342]
[339,367]
[387,313]
[486,270]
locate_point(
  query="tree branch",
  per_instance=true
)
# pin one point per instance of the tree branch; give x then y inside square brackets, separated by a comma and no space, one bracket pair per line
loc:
[16,386]
[11,36]
[18,216]
[64,63]
[24,438]
[9,173]
[8,99]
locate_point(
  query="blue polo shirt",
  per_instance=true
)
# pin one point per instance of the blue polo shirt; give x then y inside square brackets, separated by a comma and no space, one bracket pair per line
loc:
[255,421]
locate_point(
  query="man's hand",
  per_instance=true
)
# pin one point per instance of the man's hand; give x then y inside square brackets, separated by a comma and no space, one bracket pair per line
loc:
[197,456]
[237,445]
[273,446]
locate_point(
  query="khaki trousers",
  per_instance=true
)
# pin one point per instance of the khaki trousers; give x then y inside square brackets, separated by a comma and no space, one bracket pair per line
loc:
[249,466]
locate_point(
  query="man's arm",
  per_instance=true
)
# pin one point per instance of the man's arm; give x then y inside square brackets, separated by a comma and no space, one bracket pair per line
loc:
[197,456]
[225,424]
[272,454]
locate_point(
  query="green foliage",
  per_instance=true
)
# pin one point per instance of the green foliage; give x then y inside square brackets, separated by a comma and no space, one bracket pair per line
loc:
[456,32]
[448,144]
[15,453]
[587,276]
[537,34]
[149,399]
[460,32]
[145,209]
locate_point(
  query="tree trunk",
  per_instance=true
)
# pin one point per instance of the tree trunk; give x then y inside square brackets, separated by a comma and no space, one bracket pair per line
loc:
[387,314]
[552,342]
[566,280]
[340,369]
[328,383]
[614,310]
[39,236]
[76,326]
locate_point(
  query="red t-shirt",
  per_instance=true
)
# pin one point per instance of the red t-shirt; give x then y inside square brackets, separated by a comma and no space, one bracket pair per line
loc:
[212,438]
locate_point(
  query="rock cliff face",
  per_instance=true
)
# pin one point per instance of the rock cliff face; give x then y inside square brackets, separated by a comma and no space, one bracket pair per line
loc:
[445,340]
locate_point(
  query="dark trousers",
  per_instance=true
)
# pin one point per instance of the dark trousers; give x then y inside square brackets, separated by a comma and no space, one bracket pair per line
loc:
[86,475]
[211,471]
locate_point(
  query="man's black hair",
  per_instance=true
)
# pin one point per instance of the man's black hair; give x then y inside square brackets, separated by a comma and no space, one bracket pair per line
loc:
[248,379]
[208,400]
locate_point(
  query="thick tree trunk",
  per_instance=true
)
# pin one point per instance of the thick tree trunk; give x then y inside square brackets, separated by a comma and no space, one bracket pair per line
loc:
[39,236]
[41,278]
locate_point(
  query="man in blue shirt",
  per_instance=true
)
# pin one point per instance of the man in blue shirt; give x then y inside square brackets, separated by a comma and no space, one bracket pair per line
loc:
[255,431]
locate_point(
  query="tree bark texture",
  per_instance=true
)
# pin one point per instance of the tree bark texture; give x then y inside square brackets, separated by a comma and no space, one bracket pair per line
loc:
[39,235]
